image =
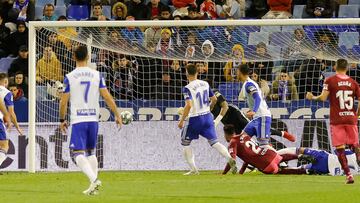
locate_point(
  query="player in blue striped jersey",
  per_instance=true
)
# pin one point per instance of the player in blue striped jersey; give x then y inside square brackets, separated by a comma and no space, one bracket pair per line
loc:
[198,98]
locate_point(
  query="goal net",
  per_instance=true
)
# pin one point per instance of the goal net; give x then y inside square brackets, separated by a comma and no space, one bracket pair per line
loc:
[143,64]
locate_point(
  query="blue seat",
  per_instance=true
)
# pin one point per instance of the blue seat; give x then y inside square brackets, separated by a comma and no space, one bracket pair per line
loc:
[60,3]
[281,38]
[78,12]
[342,28]
[270,29]
[300,11]
[257,37]
[38,12]
[291,28]
[274,51]
[5,64]
[349,11]
[41,93]
[348,39]
[230,90]
[354,2]
[60,10]
[42,3]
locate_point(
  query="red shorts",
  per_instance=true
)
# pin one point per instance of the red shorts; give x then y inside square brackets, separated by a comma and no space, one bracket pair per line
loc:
[273,167]
[344,135]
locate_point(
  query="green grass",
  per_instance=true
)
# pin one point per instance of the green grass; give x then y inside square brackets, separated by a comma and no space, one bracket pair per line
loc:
[173,187]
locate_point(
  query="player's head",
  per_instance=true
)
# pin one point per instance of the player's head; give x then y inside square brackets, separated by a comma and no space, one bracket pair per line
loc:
[191,70]
[229,131]
[4,79]
[243,72]
[341,65]
[81,53]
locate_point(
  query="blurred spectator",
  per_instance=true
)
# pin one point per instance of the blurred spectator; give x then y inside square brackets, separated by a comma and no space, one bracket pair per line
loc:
[152,34]
[166,89]
[4,34]
[326,40]
[137,9]
[258,9]
[66,33]
[119,11]
[165,45]
[265,65]
[21,81]
[203,70]
[21,63]
[48,13]
[233,35]
[263,84]
[178,34]
[18,38]
[192,13]
[25,10]
[48,68]
[354,71]
[193,47]
[284,88]
[207,49]
[177,73]
[133,35]
[165,13]
[279,9]
[208,7]
[102,2]
[123,77]
[153,8]
[58,47]
[320,8]
[232,9]
[182,6]
[18,94]
[97,12]
[238,58]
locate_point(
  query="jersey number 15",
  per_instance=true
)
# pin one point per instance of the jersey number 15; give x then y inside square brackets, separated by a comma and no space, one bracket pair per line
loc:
[345,99]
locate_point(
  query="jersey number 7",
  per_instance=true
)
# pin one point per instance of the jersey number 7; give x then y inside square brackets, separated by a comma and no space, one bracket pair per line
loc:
[87,87]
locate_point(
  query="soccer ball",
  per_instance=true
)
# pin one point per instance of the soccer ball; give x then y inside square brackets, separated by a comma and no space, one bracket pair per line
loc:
[126,117]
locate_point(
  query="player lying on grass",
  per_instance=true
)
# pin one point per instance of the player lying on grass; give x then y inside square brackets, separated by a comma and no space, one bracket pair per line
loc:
[322,162]
[231,114]
[266,159]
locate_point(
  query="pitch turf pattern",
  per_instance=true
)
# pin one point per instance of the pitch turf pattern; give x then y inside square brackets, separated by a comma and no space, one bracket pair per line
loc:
[174,187]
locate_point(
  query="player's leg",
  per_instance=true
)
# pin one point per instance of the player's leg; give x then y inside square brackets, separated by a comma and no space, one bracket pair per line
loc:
[187,135]
[338,138]
[273,167]
[93,130]
[283,134]
[352,133]
[263,130]
[4,143]
[288,154]
[78,142]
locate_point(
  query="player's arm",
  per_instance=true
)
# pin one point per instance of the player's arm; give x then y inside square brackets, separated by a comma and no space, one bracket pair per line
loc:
[252,90]
[63,105]
[224,107]
[243,168]
[5,112]
[9,103]
[232,151]
[187,107]
[109,100]
[323,96]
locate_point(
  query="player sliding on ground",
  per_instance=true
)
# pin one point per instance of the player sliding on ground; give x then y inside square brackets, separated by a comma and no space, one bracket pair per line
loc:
[231,114]
[82,87]
[197,106]
[7,114]
[322,162]
[342,91]
[265,160]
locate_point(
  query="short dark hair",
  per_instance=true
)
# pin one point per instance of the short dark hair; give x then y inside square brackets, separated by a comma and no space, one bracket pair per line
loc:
[81,53]
[283,71]
[62,18]
[165,8]
[341,64]
[19,72]
[191,69]
[3,76]
[97,4]
[244,69]
[12,84]
[229,129]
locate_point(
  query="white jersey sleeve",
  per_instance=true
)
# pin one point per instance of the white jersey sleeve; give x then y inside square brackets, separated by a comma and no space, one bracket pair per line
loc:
[199,93]
[248,89]
[335,167]
[7,97]
[83,84]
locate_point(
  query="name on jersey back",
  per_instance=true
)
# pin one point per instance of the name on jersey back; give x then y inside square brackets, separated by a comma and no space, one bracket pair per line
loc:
[86,112]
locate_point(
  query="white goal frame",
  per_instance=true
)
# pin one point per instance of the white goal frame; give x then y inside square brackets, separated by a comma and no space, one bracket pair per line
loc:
[33,25]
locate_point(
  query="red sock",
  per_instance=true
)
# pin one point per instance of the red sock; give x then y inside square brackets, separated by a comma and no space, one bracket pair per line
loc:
[343,161]
[288,157]
[292,171]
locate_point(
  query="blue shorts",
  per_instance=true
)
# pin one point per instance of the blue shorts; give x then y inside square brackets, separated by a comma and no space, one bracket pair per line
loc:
[259,127]
[200,125]
[83,136]
[321,161]
[2,131]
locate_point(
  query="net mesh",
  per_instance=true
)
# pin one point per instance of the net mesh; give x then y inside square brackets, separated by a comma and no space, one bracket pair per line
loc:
[144,71]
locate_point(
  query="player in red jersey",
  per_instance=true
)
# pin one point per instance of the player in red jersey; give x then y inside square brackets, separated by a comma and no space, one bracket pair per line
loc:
[265,159]
[342,91]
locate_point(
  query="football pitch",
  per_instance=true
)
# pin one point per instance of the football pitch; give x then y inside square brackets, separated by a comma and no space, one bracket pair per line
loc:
[165,186]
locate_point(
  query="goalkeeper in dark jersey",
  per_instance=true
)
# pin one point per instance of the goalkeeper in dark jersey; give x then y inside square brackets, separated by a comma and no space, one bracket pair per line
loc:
[231,114]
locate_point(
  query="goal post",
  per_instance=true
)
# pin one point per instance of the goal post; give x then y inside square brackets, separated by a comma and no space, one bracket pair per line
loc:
[141,95]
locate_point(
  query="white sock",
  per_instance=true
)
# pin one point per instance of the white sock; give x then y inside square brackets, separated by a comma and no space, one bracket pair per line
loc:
[290,150]
[189,157]
[83,163]
[222,150]
[2,157]
[93,163]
